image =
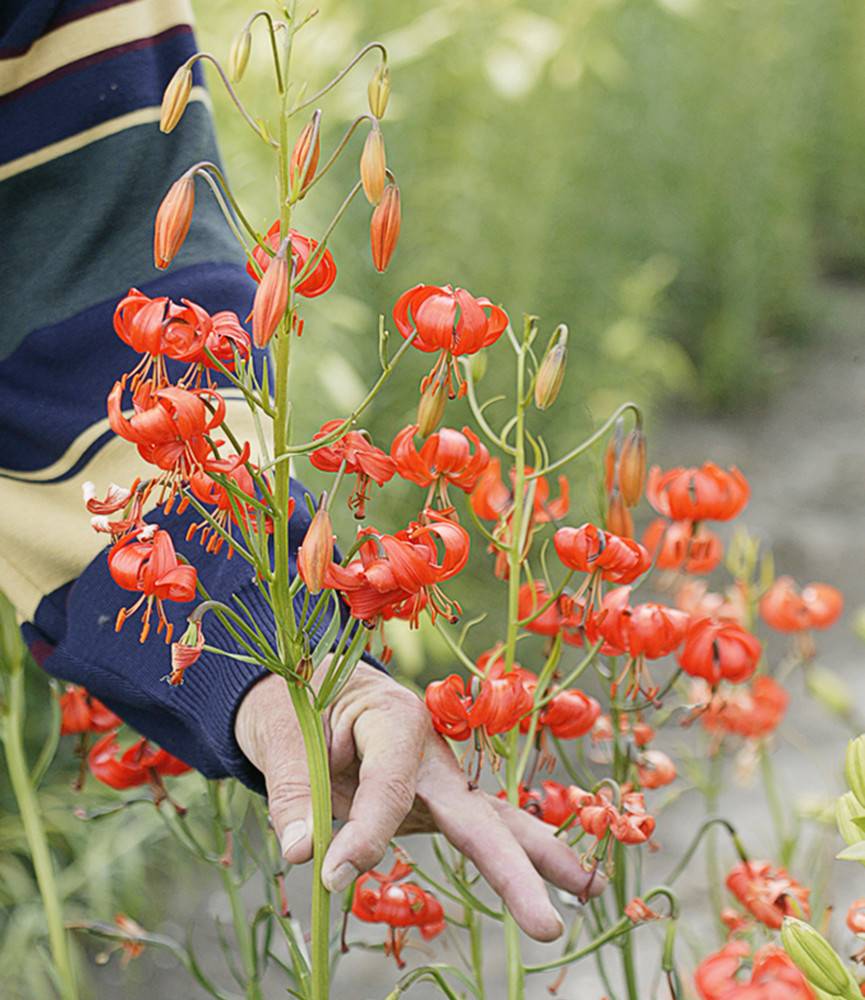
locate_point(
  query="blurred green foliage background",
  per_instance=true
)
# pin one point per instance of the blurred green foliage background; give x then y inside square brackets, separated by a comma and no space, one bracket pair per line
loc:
[670,178]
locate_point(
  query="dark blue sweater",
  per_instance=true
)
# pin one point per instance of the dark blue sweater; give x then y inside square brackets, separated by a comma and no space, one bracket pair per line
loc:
[83,168]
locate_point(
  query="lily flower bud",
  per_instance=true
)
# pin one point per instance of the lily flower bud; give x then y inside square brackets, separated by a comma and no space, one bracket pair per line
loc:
[185,651]
[378,90]
[175,98]
[304,156]
[384,227]
[271,298]
[431,408]
[551,371]
[172,221]
[632,467]
[238,55]
[479,366]
[854,768]
[373,165]
[817,960]
[619,519]
[316,553]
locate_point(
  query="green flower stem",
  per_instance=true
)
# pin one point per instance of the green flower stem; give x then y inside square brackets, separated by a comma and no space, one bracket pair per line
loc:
[339,76]
[34,831]
[592,439]
[620,861]
[513,775]
[622,926]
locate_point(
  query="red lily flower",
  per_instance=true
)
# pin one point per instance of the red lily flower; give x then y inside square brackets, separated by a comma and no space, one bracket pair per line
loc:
[692,548]
[695,598]
[768,893]
[492,500]
[446,457]
[186,652]
[751,712]
[704,494]
[451,321]
[570,714]
[141,764]
[719,650]
[303,247]
[399,575]
[565,615]
[773,975]
[169,426]
[640,732]
[785,608]
[398,904]
[495,704]
[588,549]
[229,508]
[646,630]
[360,457]
[655,769]
[633,825]
[80,712]
[555,804]
[159,328]
[149,565]
[856,917]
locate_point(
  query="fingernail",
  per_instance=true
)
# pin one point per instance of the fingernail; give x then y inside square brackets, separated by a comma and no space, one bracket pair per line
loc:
[292,835]
[341,877]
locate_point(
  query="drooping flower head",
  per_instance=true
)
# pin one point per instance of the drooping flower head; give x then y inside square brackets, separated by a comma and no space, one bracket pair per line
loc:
[588,549]
[681,545]
[451,321]
[768,892]
[785,608]
[773,976]
[146,563]
[493,500]
[229,508]
[448,457]
[397,576]
[80,712]
[655,769]
[495,704]
[160,329]
[719,650]
[552,803]
[358,455]
[386,899]
[751,712]
[140,764]
[317,281]
[707,493]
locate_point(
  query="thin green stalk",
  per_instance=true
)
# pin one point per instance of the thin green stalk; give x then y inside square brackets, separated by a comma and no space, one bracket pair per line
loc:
[34,831]
[620,860]
[243,934]
[477,945]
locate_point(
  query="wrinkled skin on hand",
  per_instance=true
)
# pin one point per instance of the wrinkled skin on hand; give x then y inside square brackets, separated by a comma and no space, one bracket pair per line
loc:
[392,775]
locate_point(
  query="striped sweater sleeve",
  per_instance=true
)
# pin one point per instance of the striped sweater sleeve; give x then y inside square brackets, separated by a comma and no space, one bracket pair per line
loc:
[83,168]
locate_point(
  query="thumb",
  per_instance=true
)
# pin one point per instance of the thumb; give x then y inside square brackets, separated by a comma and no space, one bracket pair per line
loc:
[268,734]
[289,801]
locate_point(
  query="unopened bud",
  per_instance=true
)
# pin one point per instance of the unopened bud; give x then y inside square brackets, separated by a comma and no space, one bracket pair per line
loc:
[611,457]
[172,221]
[431,408]
[478,366]
[619,519]
[384,227]
[238,55]
[373,166]
[817,960]
[378,90]
[551,373]
[316,553]
[632,467]
[854,768]
[304,156]
[830,689]
[271,298]
[175,98]
[850,819]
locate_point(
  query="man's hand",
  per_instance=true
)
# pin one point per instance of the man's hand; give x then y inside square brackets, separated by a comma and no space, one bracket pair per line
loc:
[392,774]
